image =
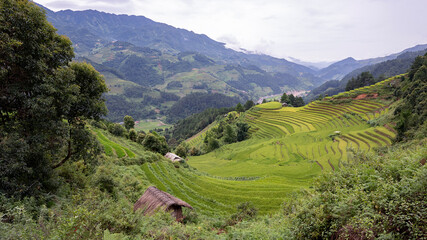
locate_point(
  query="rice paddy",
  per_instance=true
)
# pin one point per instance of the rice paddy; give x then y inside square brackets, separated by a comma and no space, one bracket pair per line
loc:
[288,148]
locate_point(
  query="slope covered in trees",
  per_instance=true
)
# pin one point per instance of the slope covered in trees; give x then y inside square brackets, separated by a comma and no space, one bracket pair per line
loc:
[380,71]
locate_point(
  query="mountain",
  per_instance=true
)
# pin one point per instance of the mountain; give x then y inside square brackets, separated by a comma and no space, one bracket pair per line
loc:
[399,65]
[341,68]
[100,27]
[316,66]
[146,82]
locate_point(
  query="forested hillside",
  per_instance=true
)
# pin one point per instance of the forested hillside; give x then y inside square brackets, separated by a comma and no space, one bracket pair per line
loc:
[379,71]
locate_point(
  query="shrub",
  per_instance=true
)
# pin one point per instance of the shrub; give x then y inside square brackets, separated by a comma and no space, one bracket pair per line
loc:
[117,129]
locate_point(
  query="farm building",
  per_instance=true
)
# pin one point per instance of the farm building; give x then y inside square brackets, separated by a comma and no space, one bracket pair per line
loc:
[173,157]
[154,199]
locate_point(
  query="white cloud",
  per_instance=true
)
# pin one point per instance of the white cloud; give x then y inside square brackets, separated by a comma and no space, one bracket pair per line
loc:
[305,29]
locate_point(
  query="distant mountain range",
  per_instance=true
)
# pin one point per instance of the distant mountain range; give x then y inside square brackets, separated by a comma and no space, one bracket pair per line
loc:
[134,51]
[338,70]
[400,64]
[90,29]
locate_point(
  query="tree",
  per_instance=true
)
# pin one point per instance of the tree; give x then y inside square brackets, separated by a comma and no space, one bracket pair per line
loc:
[116,129]
[132,135]
[299,102]
[155,143]
[182,150]
[292,100]
[364,79]
[284,98]
[44,104]
[249,104]
[212,144]
[129,122]
[229,134]
[140,137]
[239,108]
[242,131]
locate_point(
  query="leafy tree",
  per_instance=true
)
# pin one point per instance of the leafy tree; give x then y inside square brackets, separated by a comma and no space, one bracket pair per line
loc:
[284,98]
[229,134]
[155,143]
[212,144]
[291,99]
[239,108]
[129,122]
[44,102]
[132,135]
[242,131]
[412,113]
[194,151]
[299,102]
[140,137]
[116,129]
[249,104]
[364,79]
[181,151]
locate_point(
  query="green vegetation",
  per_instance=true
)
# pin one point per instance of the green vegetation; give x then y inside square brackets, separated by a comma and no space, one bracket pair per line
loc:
[327,170]
[270,105]
[412,114]
[197,102]
[151,124]
[45,100]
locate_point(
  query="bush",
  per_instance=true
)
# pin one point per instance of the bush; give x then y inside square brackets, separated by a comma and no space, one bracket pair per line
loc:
[155,143]
[245,211]
[117,129]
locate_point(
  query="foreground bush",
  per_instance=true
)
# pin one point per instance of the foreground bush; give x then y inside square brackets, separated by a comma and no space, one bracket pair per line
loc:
[378,196]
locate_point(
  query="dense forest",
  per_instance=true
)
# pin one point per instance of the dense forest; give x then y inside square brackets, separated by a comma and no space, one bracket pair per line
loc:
[197,102]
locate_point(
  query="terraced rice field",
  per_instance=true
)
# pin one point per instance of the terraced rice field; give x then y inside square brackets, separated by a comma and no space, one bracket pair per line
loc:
[112,148]
[287,149]
[292,145]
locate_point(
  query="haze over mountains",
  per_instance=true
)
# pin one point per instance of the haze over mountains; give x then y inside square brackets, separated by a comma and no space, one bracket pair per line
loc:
[170,56]
[99,28]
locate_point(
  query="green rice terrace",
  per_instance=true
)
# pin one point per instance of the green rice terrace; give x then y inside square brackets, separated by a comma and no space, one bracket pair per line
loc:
[287,149]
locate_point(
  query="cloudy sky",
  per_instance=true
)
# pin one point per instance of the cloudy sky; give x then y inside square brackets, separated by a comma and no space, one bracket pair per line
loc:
[310,30]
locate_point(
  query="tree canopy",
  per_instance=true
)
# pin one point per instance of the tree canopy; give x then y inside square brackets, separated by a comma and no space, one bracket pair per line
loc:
[44,101]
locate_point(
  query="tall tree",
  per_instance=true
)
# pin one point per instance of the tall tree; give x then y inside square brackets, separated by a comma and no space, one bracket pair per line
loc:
[284,98]
[129,122]
[240,108]
[249,104]
[44,101]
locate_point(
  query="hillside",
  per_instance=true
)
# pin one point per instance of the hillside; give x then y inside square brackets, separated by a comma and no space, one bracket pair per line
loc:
[399,65]
[339,70]
[143,79]
[99,27]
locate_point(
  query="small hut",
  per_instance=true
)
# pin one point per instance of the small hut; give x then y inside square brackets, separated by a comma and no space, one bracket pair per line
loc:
[173,157]
[154,199]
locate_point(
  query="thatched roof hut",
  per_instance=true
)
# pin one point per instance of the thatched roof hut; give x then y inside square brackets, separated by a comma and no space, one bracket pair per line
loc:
[173,157]
[154,199]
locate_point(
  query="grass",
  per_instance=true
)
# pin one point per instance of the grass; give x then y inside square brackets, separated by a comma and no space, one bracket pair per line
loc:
[150,124]
[112,148]
[270,105]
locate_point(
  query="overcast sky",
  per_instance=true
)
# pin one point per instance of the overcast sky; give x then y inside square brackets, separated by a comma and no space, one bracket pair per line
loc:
[310,30]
